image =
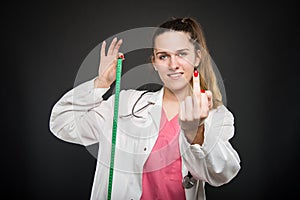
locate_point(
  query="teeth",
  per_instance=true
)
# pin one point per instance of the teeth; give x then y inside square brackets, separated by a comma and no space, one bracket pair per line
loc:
[175,75]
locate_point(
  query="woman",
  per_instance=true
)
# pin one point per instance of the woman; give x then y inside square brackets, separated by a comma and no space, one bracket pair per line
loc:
[182,129]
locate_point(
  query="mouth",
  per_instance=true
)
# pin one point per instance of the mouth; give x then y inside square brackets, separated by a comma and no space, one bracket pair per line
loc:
[176,75]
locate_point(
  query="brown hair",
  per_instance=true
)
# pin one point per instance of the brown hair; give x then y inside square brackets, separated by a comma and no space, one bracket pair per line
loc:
[208,78]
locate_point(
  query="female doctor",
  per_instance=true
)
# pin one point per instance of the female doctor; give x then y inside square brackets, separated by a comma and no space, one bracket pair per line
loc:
[170,142]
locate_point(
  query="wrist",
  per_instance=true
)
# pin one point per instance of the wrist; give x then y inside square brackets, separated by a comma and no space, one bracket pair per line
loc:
[194,132]
[99,83]
[199,138]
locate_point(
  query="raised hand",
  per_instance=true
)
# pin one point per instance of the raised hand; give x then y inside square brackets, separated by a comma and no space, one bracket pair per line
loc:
[108,62]
[194,110]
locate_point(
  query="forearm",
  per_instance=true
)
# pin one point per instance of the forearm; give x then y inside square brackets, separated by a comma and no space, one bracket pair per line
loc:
[196,136]
[199,138]
[68,114]
[100,83]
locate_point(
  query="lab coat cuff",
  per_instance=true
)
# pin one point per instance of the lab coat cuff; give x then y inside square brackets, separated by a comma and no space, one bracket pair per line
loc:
[87,94]
[195,149]
[209,141]
[98,92]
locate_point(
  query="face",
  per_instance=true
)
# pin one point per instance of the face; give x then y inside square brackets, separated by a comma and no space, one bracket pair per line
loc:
[174,59]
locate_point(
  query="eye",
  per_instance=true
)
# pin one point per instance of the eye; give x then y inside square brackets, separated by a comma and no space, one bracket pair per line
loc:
[182,54]
[162,57]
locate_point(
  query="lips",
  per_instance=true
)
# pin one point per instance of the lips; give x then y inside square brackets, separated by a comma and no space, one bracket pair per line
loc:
[176,75]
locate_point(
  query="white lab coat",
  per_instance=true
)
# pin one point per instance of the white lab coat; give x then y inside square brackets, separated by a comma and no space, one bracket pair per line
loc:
[82,116]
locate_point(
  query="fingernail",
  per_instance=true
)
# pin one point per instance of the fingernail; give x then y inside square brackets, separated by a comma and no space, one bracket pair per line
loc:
[121,56]
[202,91]
[196,73]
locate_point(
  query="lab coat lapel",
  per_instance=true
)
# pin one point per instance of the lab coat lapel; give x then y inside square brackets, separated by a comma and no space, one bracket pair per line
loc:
[155,111]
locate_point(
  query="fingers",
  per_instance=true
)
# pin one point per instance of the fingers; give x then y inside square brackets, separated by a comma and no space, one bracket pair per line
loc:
[182,110]
[198,92]
[209,98]
[121,55]
[197,95]
[188,105]
[190,109]
[196,107]
[113,49]
[102,52]
[204,106]
[114,46]
[117,47]
[196,85]
[186,118]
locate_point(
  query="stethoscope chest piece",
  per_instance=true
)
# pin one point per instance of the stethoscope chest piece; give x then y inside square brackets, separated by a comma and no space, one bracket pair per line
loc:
[188,181]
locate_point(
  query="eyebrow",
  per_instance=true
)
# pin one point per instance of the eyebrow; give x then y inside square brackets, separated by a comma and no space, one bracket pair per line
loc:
[161,52]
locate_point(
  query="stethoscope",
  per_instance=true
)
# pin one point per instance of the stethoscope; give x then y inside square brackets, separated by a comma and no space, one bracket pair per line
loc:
[188,181]
[133,112]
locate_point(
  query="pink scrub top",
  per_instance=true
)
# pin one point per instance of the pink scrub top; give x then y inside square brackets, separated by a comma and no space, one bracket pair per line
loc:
[162,177]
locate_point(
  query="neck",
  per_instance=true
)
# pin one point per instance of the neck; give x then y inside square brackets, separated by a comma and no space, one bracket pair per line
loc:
[171,101]
[174,96]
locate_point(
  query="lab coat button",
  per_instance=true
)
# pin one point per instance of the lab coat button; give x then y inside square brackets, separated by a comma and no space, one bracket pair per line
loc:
[145,148]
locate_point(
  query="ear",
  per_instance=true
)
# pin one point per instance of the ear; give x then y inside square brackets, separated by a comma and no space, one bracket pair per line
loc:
[198,58]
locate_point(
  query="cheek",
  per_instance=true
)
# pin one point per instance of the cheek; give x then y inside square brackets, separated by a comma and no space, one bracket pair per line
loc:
[161,72]
[187,62]
[161,68]
[189,72]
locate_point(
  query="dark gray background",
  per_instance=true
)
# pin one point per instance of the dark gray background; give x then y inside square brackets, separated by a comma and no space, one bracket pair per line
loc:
[253,43]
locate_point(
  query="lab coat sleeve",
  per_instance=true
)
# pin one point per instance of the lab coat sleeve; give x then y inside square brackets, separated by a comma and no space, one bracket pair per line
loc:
[215,161]
[73,118]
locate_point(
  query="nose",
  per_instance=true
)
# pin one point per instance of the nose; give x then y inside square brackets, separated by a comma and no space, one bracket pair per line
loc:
[173,64]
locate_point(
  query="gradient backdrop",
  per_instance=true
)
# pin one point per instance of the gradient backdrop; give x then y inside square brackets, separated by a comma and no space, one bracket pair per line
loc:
[254,44]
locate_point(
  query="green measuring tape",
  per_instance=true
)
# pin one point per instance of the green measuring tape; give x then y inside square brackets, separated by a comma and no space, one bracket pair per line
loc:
[115,123]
